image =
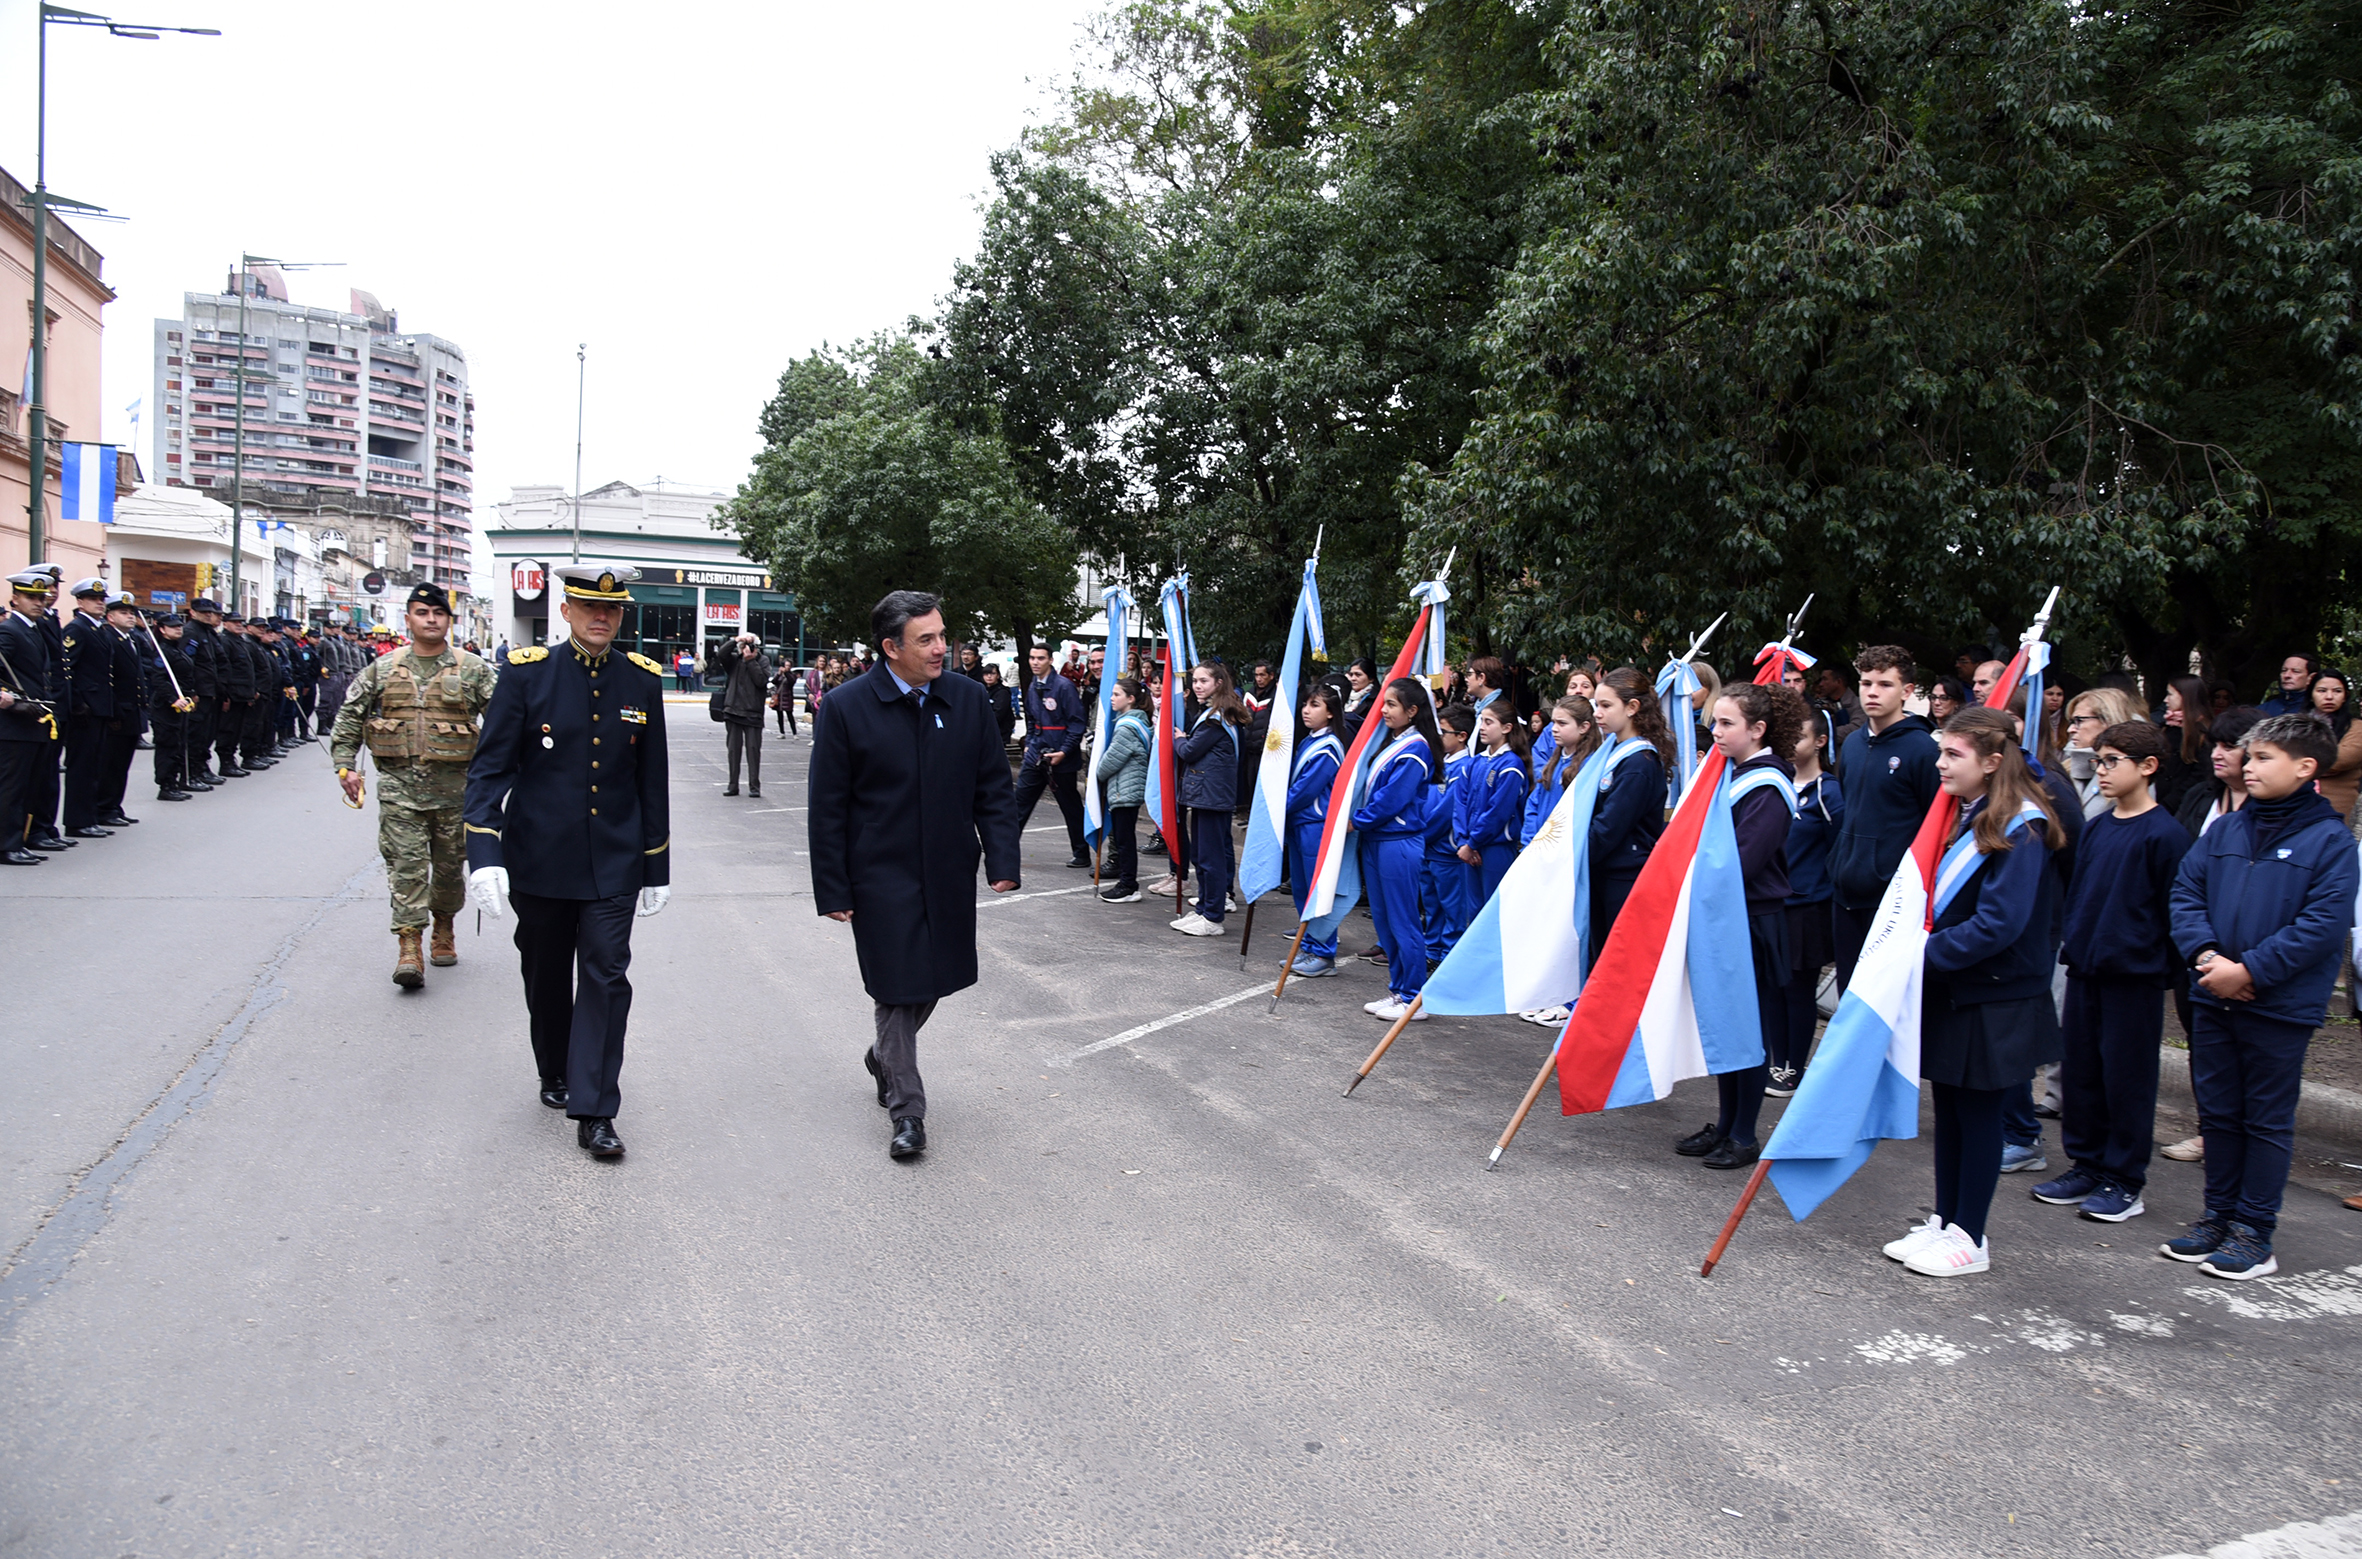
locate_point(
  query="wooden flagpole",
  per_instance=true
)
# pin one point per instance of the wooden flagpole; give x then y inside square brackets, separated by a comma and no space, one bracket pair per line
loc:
[1541,1081]
[1287,966]
[1731,1226]
[1247,935]
[1392,1035]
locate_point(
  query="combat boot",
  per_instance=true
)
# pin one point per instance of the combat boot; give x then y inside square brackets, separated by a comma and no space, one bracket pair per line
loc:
[410,967]
[442,951]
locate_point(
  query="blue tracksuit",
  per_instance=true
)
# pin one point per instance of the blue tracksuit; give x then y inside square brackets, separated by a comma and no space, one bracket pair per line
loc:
[1447,900]
[1317,758]
[1490,812]
[1392,823]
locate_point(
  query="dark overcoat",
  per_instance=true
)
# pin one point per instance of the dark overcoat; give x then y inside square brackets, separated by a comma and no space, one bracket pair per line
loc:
[902,804]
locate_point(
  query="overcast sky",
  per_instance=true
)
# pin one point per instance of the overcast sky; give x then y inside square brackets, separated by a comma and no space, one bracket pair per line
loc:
[698,192]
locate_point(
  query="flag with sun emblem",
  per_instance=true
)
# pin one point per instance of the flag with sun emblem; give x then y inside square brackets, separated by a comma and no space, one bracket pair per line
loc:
[1265,857]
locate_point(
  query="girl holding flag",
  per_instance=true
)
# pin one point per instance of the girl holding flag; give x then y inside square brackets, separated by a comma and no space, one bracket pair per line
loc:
[1319,753]
[1754,727]
[1574,733]
[1123,778]
[1631,810]
[1208,760]
[1392,823]
[1491,803]
[1986,1017]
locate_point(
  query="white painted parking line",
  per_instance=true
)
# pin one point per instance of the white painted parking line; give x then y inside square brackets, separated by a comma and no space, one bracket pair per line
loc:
[2333,1537]
[1011,898]
[1146,1029]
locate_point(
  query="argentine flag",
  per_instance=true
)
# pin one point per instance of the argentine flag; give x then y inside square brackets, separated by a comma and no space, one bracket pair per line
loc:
[1336,872]
[88,490]
[1119,605]
[1265,857]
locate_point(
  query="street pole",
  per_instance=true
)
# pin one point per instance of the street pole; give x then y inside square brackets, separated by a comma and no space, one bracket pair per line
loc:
[581,371]
[238,446]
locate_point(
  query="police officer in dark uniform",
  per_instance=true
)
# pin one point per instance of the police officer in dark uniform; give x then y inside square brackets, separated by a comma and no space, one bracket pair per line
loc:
[90,689]
[303,659]
[129,674]
[567,818]
[237,694]
[28,730]
[202,640]
[1053,751]
[172,709]
[48,775]
[257,744]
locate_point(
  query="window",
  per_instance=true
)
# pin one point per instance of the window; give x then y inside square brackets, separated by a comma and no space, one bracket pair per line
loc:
[172,335]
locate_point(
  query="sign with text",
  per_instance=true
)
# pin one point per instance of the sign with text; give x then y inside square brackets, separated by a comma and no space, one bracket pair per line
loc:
[723,614]
[527,580]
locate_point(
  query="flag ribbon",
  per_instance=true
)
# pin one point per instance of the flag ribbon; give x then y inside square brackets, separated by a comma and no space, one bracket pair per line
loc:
[1118,605]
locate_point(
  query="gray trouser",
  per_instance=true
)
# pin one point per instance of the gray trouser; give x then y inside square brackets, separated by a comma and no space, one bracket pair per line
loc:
[749,740]
[898,1056]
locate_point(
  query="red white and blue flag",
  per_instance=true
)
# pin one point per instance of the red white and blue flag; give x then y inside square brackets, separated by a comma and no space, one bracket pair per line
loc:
[1863,1084]
[1120,608]
[1673,996]
[1164,775]
[1336,873]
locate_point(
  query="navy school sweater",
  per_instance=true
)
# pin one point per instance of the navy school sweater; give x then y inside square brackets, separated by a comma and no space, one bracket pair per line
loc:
[1889,778]
[2119,920]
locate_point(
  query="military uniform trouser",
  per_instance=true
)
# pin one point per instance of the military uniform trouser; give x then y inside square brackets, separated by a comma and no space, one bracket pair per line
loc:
[425,862]
[86,762]
[48,779]
[17,762]
[170,730]
[332,699]
[122,746]
[200,738]
[256,743]
[229,723]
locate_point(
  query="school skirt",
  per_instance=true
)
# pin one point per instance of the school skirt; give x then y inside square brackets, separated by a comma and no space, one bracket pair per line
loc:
[1994,1044]
[1812,939]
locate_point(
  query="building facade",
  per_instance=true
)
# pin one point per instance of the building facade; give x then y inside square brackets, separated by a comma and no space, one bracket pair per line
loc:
[695,585]
[339,406]
[76,292]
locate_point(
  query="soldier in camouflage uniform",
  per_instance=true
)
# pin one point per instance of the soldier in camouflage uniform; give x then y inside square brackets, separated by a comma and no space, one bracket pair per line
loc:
[417,711]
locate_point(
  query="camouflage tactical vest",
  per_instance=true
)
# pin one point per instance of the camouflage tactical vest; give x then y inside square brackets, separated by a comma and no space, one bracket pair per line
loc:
[421,721]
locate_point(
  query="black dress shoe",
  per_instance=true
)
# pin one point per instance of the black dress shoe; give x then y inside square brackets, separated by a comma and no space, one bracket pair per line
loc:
[118,820]
[732,791]
[261,763]
[1698,1143]
[1730,1154]
[48,844]
[910,1137]
[232,771]
[91,831]
[869,1059]
[1079,863]
[172,795]
[553,1092]
[19,858]
[598,1135]
[754,792]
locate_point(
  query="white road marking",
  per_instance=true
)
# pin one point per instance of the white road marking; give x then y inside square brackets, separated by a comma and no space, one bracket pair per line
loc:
[1146,1029]
[2332,1537]
[1045,893]
[2298,1296]
[760,811]
[1900,1347]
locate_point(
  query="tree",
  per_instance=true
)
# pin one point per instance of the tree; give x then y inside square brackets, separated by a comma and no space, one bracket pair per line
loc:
[863,488]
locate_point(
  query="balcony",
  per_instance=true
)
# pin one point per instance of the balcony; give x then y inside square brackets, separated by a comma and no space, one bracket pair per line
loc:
[376,459]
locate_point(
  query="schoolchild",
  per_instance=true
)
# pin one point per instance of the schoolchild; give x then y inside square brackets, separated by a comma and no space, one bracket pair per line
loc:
[1755,727]
[1319,753]
[1820,805]
[1491,804]
[1631,810]
[1123,777]
[1888,768]
[1208,759]
[2118,949]
[1574,735]
[1392,824]
[2262,907]
[1447,895]
[2207,804]
[1986,1014]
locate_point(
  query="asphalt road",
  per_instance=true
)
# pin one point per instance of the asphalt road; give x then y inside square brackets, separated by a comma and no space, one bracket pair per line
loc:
[298,1265]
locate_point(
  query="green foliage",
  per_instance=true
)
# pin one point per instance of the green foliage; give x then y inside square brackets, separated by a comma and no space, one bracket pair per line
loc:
[865,487]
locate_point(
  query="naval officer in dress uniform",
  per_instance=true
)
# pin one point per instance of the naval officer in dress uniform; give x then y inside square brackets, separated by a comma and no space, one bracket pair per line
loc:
[567,819]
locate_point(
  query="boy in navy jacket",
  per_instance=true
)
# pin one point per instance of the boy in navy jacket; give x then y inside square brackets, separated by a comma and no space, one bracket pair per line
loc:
[2261,907]
[1888,771]
[2118,948]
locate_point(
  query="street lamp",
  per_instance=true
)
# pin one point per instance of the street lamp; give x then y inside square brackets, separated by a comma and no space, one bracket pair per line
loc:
[41,201]
[246,264]
[581,371]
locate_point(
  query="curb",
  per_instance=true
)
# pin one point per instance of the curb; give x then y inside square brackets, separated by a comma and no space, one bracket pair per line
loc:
[2322,1110]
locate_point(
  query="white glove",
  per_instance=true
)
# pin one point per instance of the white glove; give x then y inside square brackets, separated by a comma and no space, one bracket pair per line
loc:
[652,900]
[488,886]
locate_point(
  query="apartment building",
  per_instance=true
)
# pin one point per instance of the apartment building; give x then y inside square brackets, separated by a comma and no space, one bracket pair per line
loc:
[338,405]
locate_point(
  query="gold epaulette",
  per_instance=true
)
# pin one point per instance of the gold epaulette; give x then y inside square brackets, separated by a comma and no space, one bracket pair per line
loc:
[644,663]
[526,657]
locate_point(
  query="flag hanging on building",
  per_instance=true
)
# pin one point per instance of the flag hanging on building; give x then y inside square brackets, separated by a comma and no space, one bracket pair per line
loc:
[1264,860]
[1336,871]
[86,490]
[1863,1084]
[1119,605]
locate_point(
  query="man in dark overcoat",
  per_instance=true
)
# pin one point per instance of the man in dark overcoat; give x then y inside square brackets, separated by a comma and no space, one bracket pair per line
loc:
[910,786]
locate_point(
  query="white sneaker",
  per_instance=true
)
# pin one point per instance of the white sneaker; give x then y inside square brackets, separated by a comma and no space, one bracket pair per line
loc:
[1377,1009]
[1198,925]
[1908,1246]
[1950,1254]
[1182,924]
[1552,1017]
[1387,1011]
